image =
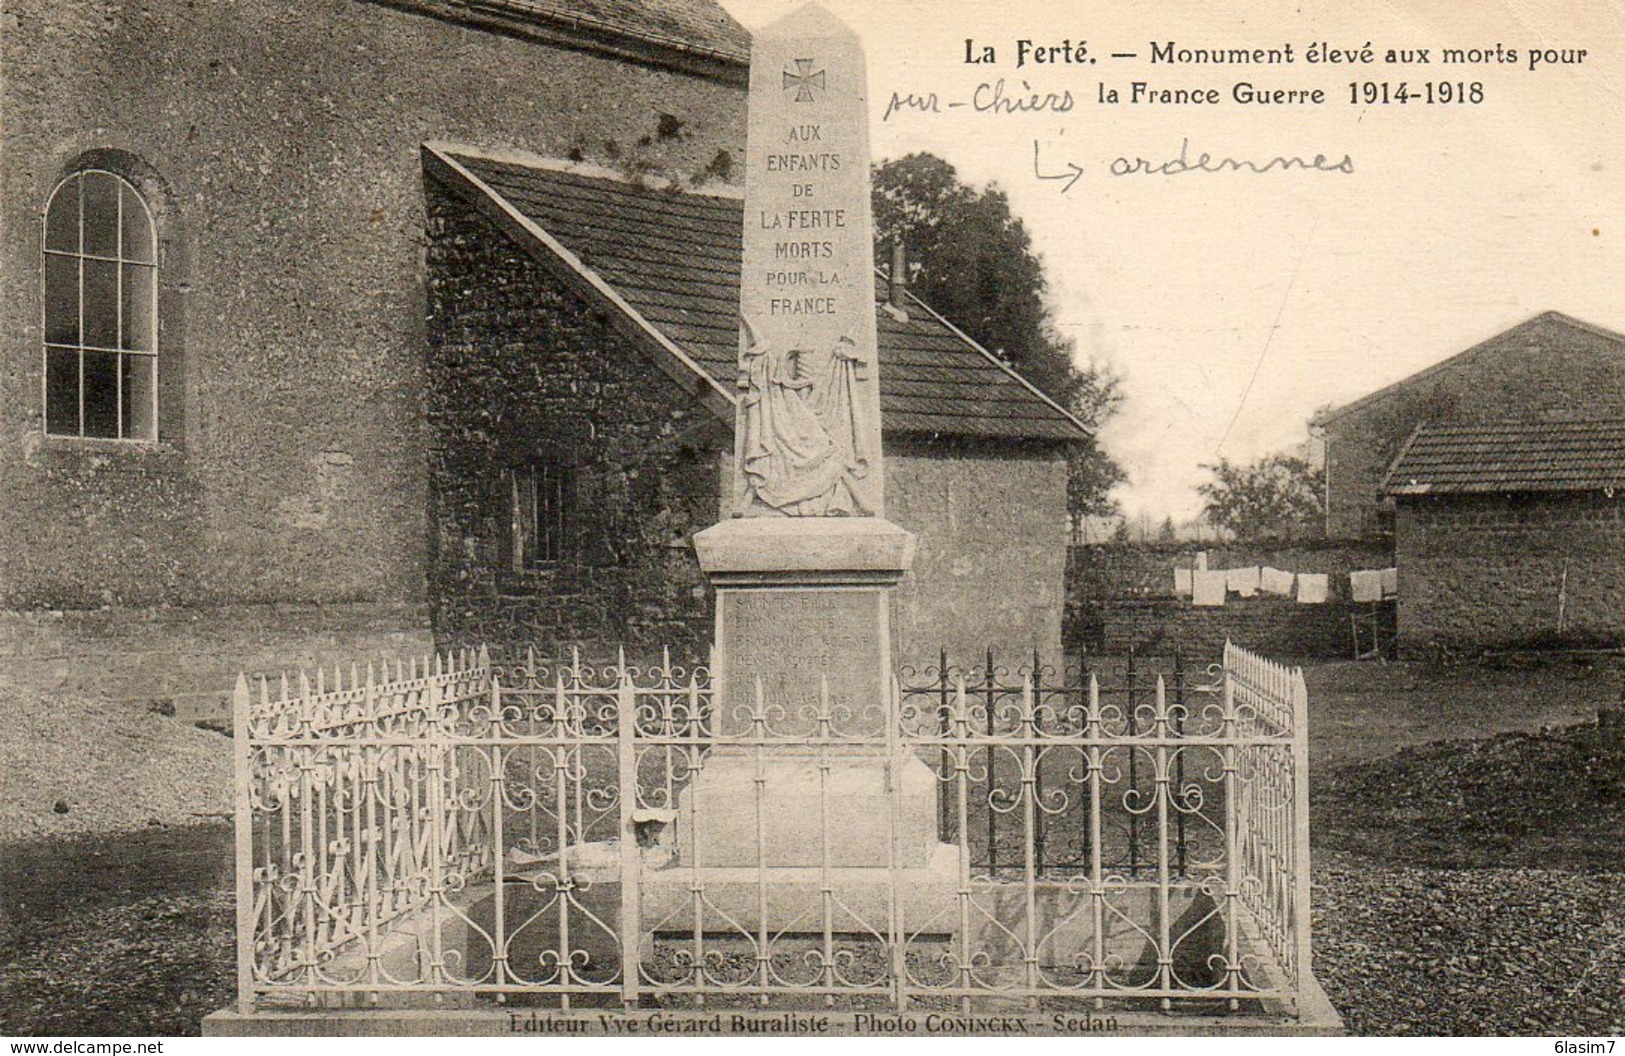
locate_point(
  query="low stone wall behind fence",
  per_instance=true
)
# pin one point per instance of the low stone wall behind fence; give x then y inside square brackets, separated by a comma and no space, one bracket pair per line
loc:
[1120,597]
[184,660]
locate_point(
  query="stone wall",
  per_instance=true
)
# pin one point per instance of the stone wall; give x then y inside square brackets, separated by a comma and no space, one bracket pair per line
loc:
[185,660]
[278,144]
[989,571]
[520,368]
[1485,572]
[1123,596]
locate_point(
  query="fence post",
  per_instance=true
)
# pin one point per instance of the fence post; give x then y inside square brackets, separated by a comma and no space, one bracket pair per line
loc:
[1037,732]
[434,775]
[242,810]
[1097,886]
[894,857]
[1179,762]
[499,774]
[990,697]
[1232,835]
[1130,711]
[962,756]
[1160,796]
[631,878]
[1028,791]
[1300,818]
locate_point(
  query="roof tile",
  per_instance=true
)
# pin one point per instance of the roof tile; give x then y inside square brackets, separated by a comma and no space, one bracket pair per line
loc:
[1511,456]
[675,258]
[688,25]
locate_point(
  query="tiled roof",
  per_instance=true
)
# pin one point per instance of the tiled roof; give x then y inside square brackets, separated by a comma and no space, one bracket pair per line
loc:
[698,26]
[673,257]
[1514,456]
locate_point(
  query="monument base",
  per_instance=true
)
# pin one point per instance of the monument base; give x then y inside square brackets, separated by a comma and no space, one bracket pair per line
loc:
[802,709]
[800,805]
[860,898]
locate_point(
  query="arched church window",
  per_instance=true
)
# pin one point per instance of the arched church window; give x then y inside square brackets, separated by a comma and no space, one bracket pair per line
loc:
[101,310]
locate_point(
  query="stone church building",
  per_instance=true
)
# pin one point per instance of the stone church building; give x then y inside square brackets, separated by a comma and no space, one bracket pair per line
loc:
[287,378]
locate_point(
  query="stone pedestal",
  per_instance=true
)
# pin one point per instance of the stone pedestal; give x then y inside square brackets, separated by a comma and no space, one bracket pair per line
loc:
[803,666]
[803,608]
[856,817]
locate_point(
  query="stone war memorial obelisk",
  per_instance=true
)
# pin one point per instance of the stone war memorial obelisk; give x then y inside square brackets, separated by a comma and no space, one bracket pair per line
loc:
[804,561]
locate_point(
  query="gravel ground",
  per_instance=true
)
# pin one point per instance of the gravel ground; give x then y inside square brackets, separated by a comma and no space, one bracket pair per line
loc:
[80,766]
[1415,951]
[1540,801]
[161,965]
[140,943]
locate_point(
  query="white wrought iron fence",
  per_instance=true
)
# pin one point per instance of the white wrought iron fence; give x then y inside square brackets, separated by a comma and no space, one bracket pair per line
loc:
[574,835]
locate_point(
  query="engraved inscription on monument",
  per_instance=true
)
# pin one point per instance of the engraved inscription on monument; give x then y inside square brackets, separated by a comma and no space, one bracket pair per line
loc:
[789,639]
[808,433]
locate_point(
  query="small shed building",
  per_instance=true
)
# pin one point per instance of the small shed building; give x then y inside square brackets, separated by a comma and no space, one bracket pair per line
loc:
[1510,535]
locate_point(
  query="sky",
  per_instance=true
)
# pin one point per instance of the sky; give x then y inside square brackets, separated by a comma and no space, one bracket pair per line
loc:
[1234,304]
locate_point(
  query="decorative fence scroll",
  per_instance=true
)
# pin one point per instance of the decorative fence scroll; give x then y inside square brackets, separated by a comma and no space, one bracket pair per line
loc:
[567,836]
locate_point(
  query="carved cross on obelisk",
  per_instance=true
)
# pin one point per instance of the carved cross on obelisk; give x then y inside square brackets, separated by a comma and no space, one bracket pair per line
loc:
[808,436]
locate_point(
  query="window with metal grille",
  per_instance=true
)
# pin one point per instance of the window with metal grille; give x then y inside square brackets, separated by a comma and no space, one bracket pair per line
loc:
[100,252]
[541,497]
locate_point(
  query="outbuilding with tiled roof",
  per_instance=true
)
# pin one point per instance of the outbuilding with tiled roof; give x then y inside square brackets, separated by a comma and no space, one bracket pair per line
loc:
[583,365]
[1511,534]
[1512,457]
[1549,366]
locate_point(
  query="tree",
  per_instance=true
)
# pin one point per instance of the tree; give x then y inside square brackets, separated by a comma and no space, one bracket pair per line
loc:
[1276,497]
[1167,534]
[973,261]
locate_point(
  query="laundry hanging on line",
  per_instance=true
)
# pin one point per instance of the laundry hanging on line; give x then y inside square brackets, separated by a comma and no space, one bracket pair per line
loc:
[1243,581]
[1366,585]
[1208,588]
[1275,581]
[1313,588]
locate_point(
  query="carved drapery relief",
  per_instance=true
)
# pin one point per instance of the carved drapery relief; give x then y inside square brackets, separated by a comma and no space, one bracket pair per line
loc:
[806,443]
